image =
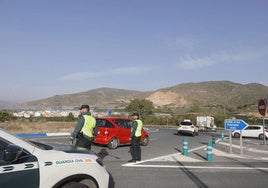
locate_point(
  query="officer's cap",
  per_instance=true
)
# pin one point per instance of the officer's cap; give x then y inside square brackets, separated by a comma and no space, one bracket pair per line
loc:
[135,114]
[84,106]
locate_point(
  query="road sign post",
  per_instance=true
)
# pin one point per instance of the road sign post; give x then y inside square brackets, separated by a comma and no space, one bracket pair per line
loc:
[262,110]
[264,136]
[241,143]
[230,141]
[232,125]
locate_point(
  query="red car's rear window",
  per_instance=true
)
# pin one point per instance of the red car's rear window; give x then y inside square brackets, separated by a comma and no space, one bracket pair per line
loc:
[125,123]
[104,123]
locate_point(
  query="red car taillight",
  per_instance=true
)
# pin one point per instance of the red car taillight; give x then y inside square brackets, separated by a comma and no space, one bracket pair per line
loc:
[104,132]
[192,126]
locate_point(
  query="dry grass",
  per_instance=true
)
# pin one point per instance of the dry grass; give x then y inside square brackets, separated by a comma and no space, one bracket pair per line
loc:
[16,127]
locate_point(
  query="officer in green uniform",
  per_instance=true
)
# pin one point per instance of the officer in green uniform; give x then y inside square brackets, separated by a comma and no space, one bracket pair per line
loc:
[135,136]
[86,129]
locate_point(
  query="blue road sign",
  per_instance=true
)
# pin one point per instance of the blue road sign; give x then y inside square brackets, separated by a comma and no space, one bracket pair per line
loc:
[235,124]
[109,113]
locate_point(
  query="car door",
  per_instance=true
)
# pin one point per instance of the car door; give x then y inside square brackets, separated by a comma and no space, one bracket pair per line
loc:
[251,131]
[255,131]
[247,132]
[124,130]
[22,171]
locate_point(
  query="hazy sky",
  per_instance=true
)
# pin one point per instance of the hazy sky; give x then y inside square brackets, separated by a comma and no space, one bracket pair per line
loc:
[53,47]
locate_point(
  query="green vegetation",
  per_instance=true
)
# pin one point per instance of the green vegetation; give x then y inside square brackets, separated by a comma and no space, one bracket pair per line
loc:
[6,116]
[69,118]
[169,117]
[143,107]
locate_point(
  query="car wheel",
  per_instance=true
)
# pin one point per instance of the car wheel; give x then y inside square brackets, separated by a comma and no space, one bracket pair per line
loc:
[113,143]
[74,185]
[261,137]
[145,141]
[89,183]
[193,134]
[196,133]
[236,135]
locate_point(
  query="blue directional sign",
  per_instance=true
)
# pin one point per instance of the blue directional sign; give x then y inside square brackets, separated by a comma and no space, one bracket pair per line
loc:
[109,113]
[235,124]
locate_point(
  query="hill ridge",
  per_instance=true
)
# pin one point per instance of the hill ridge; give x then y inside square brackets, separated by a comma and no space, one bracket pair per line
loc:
[208,94]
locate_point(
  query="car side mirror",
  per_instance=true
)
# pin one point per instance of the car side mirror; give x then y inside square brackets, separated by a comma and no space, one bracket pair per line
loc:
[12,152]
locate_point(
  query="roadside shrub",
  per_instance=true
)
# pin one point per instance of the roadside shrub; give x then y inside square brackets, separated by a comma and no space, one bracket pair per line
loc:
[6,116]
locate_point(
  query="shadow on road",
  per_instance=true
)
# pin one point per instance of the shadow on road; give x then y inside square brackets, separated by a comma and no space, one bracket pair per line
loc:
[177,149]
[104,153]
[199,155]
[192,176]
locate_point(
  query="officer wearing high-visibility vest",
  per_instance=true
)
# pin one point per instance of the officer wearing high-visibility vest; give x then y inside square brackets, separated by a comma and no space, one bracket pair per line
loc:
[86,129]
[135,136]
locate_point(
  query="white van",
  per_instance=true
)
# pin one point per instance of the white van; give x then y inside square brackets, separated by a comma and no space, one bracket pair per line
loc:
[35,165]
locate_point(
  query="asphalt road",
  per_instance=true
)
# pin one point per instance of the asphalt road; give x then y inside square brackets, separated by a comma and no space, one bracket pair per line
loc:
[163,165]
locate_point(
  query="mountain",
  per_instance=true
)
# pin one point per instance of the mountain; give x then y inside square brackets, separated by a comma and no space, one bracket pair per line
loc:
[101,98]
[205,95]
[214,94]
[6,105]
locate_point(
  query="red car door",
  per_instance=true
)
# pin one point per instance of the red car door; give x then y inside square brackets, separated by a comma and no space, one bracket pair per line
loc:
[123,130]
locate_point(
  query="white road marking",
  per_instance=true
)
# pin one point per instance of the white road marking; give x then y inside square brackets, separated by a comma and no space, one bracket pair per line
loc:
[253,143]
[224,154]
[171,157]
[233,145]
[196,167]
[176,155]
[257,151]
[150,131]
[181,158]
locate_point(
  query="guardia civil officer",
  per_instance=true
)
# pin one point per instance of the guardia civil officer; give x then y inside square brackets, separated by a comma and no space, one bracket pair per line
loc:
[135,136]
[86,129]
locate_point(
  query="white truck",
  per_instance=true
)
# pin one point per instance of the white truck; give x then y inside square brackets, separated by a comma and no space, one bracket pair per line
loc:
[37,165]
[206,123]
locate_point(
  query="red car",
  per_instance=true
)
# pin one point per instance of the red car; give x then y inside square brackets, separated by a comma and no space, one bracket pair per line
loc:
[114,131]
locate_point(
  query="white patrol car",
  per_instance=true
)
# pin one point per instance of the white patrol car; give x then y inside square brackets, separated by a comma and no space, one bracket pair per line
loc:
[32,165]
